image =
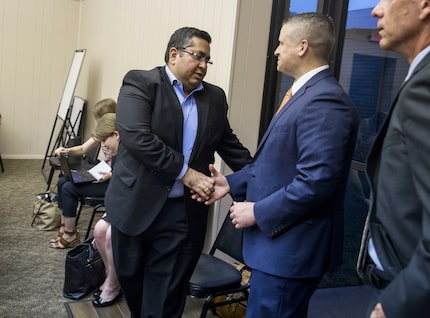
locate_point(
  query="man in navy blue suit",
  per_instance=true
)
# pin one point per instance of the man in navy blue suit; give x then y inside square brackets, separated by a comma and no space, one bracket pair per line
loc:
[292,192]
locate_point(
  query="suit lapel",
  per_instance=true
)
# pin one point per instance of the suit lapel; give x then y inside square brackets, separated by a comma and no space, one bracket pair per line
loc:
[290,103]
[276,118]
[372,158]
[176,111]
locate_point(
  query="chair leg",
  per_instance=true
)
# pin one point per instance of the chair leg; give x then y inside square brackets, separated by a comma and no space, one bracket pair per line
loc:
[205,307]
[51,175]
[1,164]
[78,213]
[95,210]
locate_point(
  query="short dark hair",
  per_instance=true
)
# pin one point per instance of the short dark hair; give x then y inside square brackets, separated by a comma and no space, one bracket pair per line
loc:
[317,28]
[183,37]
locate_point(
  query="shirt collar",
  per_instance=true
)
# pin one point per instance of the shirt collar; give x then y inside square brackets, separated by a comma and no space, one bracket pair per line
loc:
[306,77]
[175,82]
[416,61]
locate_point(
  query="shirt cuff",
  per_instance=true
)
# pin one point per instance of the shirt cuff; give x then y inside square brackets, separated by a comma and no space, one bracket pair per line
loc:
[183,171]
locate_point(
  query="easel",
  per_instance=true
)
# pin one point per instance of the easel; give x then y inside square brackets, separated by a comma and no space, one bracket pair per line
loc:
[70,111]
[71,128]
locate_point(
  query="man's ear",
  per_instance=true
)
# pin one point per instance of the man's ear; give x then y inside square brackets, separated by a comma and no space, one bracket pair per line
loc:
[173,54]
[424,10]
[303,47]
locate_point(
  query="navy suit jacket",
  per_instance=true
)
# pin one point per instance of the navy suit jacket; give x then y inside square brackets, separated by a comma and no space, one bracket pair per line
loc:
[150,124]
[297,180]
[398,166]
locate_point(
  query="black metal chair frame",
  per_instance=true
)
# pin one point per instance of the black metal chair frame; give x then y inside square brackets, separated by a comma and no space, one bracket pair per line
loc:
[1,164]
[99,207]
[214,276]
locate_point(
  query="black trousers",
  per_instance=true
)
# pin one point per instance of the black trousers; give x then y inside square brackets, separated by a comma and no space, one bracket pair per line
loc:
[154,267]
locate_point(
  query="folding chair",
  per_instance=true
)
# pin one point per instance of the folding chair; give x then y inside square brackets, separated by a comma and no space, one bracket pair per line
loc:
[1,162]
[214,276]
[99,207]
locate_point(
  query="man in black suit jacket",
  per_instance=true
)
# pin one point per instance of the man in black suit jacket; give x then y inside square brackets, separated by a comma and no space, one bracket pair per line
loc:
[171,123]
[398,167]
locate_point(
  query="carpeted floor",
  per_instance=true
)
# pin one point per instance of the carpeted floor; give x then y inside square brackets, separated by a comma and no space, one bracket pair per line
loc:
[32,274]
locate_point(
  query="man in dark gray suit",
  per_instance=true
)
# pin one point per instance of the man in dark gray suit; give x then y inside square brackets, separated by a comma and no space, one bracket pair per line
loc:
[398,167]
[171,123]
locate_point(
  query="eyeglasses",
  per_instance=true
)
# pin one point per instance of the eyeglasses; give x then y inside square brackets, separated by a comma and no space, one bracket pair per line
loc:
[197,56]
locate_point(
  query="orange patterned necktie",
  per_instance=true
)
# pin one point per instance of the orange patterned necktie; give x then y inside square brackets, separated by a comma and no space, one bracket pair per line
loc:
[286,98]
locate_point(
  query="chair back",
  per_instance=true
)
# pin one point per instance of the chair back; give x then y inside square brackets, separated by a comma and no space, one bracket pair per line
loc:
[72,142]
[229,240]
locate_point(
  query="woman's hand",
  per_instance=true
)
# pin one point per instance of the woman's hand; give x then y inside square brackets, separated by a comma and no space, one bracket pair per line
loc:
[106,175]
[58,151]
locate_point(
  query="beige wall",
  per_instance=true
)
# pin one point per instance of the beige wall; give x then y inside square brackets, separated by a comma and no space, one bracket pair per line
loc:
[38,38]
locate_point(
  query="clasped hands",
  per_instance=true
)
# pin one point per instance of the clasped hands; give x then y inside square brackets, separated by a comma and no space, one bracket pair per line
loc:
[210,189]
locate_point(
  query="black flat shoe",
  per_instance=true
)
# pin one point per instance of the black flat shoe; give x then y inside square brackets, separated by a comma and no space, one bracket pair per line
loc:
[97,293]
[100,302]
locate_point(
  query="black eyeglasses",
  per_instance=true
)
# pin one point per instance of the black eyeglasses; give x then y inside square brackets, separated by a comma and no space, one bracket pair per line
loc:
[197,56]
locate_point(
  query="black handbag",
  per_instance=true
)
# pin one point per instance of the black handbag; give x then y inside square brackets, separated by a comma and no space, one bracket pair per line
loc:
[84,270]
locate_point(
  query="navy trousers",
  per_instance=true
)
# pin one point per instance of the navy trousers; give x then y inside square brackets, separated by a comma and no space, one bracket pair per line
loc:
[69,194]
[279,297]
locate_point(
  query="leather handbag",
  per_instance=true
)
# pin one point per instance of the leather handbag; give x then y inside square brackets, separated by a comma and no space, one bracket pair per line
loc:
[84,270]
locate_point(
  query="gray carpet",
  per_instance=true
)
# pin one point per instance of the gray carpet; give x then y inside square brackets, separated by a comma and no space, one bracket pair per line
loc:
[32,274]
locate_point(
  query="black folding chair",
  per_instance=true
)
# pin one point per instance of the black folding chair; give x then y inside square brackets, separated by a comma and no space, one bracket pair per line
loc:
[98,207]
[214,276]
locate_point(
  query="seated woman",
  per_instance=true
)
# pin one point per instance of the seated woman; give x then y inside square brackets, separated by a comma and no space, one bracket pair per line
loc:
[104,106]
[69,193]
[110,291]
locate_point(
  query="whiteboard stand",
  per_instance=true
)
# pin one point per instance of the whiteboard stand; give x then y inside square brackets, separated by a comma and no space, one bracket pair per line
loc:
[70,111]
[71,128]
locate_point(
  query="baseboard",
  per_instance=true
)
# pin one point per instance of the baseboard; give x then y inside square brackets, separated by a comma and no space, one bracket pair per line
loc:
[15,156]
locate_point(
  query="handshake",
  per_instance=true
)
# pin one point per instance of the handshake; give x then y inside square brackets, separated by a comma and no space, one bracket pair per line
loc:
[206,189]
[210,189]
